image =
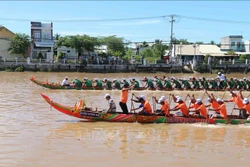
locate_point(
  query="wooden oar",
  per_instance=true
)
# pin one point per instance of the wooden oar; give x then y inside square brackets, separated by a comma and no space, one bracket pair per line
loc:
[154,105]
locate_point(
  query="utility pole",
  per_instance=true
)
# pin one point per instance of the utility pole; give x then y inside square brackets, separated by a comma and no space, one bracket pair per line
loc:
[172,29]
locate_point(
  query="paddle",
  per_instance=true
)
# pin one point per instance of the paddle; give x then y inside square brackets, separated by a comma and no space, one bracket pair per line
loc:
[154,105]
[170,100]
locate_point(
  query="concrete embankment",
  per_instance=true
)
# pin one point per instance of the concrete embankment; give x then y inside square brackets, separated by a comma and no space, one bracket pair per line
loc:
[168,68]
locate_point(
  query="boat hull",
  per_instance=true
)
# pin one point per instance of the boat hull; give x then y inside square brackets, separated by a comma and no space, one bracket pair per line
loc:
[131,118]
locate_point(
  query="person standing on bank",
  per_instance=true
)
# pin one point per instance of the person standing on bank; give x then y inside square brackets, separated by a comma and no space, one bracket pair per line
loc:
[124,98]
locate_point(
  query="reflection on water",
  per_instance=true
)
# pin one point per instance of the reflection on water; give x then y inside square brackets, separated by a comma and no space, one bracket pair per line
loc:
[33,134]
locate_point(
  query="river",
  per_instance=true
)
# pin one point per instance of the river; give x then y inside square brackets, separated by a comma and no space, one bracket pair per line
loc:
[33,134]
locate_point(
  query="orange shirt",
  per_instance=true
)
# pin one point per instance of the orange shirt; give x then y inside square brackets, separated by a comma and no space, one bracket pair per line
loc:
[194,105]
[165,109]
[183,108]
[124,96]
[165,101]
[238,101]
[223,110]
[203,110]
[214,104]
[147,107]
[247,107]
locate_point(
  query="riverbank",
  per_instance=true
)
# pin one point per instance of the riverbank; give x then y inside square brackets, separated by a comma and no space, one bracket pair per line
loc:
[149,68]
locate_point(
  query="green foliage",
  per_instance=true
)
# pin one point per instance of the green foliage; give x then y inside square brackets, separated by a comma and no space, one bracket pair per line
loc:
[40,56]
[19,44]
[129,53]
[19,69]
[179,41]
[115,45]
[60,55]
[231,52]
[206,58]
[159,50]
[212,42]
[199,42]
[243,57]
[146,53]
[144,44]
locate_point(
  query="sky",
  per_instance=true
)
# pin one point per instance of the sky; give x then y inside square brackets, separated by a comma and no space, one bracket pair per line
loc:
[64,12]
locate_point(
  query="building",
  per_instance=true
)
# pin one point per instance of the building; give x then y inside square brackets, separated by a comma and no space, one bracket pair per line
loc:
[42,40]
[232,42]
[69,53]
[247,46]
[5,37]
[187,52]
[6,33]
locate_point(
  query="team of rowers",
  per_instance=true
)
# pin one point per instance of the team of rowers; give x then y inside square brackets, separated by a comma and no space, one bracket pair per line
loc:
[164,83]
[195,108]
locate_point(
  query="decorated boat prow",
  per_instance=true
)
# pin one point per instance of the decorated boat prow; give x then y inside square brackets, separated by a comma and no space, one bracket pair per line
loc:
[71,111]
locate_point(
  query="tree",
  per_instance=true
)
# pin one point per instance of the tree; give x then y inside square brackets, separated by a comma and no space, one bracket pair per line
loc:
[206,58]
[212,43]
[128,54]
[243,57]
[144,44]
[114,44]
[40,56]
[199,42]
[181,41]
[159,50]
[231,53]
[60,55]
[19,44]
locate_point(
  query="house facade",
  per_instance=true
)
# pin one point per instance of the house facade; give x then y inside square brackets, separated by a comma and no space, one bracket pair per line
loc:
[42,40]
[232,42]
[5,36]
[69,53]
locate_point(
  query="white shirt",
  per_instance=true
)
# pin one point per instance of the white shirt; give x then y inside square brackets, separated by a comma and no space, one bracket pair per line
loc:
[113,106]
[64,82]
[222,77]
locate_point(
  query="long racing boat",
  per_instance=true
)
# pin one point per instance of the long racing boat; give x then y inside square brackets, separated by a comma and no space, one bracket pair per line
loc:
[79,111]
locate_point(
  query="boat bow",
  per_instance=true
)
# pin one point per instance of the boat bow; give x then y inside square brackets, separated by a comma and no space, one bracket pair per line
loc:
[64,109]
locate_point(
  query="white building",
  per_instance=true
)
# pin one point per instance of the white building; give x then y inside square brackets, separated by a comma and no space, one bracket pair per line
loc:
[43,42]
[232,42]
[69,53]
[247,46]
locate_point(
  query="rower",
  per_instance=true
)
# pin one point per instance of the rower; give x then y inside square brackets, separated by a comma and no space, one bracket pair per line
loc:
[163,98]
[221,110]
[135,83]
[238,101]
[149,84]
[137,101]
[108,83]
[77,83]
[200,109]
[112,105]
[164,110]
[65,82]
[87,82]
[147,109]
[167,84]
[124,82]
[159,85]
[246,107]
[116,84]
[98,83]
[181,105]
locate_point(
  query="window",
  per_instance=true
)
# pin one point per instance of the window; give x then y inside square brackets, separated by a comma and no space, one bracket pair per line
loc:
[68,51]
[238,44]
[232,43]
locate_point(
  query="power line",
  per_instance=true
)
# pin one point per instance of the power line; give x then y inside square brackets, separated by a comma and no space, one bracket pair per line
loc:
[213,20]
[89,20]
